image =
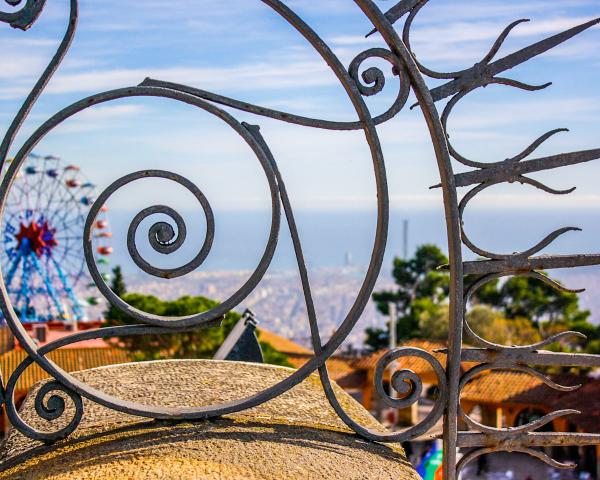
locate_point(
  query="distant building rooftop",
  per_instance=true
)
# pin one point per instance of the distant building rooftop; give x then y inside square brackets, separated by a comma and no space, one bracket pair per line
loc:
[282,344]
[340,368]
[69,359]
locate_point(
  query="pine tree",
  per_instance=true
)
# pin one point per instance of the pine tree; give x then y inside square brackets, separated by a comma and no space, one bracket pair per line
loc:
[120,290]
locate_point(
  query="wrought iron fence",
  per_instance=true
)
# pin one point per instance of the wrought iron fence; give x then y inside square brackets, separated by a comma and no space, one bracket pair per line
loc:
[358,83]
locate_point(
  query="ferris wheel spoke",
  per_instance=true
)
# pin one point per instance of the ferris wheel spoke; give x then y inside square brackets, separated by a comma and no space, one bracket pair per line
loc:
[56,196]
[24,290]
[68,234]
[13,270]
[59,182]
[40,185]
[70,261]
[77,310]
[65,218]
[76,267]
[66,194]
[52,293]
[64,198]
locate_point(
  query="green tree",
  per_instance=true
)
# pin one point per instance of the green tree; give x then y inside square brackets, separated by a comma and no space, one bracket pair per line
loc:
[485,322]
[272,356]
[201,343]
[519,310]
[492,326]
[434,322]
[119,289]
[533,299]
[421,288]
[549,310]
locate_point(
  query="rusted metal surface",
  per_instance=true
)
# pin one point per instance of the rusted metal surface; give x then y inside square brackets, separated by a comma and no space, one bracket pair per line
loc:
[358,82]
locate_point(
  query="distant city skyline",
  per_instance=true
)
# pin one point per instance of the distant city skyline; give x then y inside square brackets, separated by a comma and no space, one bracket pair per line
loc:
[327,238]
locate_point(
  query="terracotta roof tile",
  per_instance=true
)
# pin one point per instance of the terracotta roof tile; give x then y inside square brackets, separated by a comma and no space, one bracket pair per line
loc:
[338,367]
[587,400]
[499,386]
[282,344]
[69,359]
[418,365]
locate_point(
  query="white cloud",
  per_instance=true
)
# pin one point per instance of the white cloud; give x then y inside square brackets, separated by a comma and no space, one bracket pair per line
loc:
[459,32]
[100,117]
[14,66]
[527,112]
[319,166]
[468,39]
[263,76]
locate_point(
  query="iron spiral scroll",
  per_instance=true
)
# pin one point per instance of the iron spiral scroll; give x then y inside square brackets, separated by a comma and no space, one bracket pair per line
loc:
[358,82]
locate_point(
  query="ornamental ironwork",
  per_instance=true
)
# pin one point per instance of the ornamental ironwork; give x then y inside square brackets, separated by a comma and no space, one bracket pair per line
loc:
[394,26]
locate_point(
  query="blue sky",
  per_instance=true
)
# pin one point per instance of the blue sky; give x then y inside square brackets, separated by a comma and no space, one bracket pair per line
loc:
[242,49]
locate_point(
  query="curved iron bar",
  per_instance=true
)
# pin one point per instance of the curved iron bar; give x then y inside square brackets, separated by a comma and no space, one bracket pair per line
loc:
[399,377]
[436,131]
[507,163]
[24,18]
[485,72]
[47,409]
[54,408]
[439,141]
[317,345]
[478,452]
[482,342]
[398,11]
[540,186]
[554,284]
[509,82]
[377,255]
[163,238]
[42,82]
[413,391]
[161,234]
[372,75]
[406,39]
[77,107]
[528,427]
[534,146]
[506,256]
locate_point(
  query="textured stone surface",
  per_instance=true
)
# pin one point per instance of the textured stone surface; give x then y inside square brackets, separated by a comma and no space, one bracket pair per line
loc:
[296,435]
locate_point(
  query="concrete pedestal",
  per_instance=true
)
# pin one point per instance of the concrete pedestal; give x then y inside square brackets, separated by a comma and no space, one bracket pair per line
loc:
[295,436]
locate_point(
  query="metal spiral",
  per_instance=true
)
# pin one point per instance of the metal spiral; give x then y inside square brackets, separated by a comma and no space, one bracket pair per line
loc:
[48,405]
[161,235]
[53,407]
[163,242]
[26,16]
[405,382]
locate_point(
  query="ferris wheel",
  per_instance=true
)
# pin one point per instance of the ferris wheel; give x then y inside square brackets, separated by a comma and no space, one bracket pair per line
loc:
[42,257]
